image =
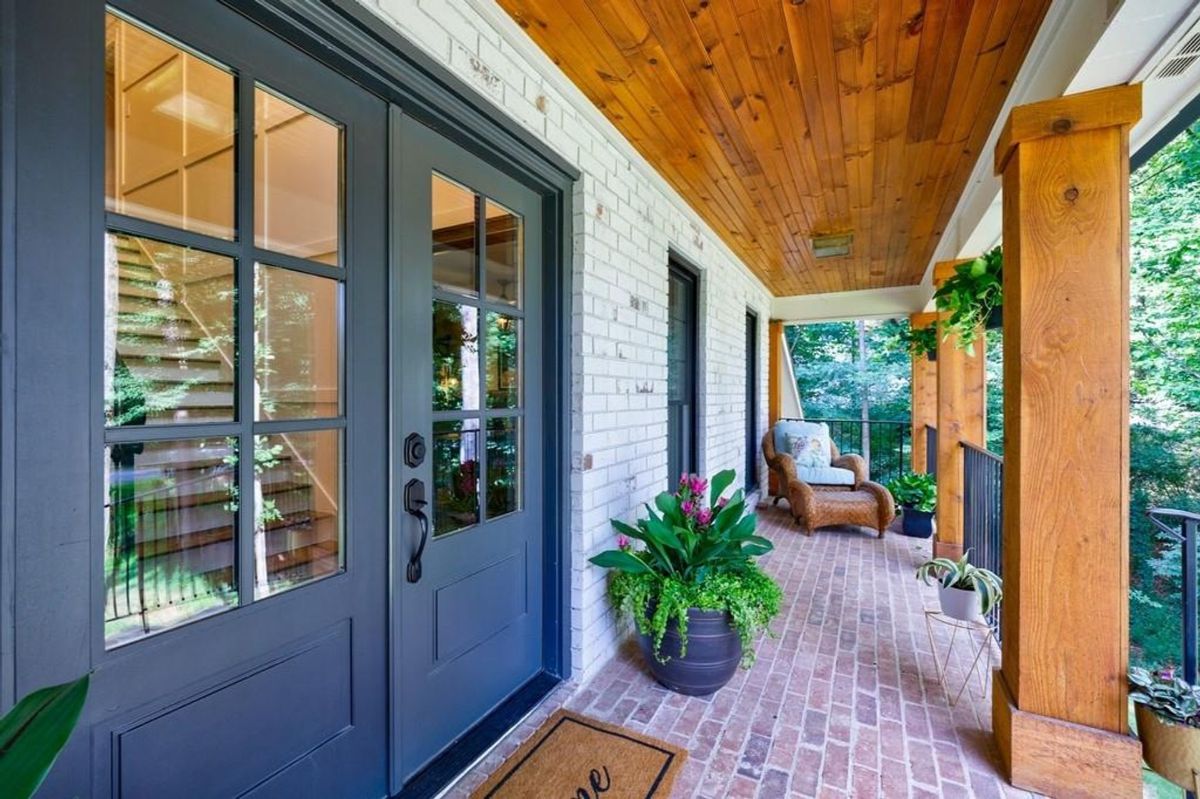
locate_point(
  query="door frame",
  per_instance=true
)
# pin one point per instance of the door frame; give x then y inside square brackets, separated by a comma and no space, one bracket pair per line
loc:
[348,38]
[753,340]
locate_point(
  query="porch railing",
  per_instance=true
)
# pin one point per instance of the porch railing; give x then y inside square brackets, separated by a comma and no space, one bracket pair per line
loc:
[886,445]
[1181,526]
[983,512]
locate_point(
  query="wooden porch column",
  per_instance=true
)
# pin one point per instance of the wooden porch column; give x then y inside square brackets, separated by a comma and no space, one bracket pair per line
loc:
[774,388]
[961,405]
[1059,699]
[924,395]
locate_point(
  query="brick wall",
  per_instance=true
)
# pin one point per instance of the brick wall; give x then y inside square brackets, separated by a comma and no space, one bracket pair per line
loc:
[626,218]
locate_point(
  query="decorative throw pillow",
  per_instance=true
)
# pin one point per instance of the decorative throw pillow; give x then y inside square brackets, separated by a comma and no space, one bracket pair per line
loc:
[810,450]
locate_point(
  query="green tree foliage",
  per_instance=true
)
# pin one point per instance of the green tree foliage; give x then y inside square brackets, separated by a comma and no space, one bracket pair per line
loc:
[825,357]
[1165,383]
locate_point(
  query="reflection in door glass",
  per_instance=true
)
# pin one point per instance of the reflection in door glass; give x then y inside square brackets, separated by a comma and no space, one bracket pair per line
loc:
[169,132]
[503,361]
[454,264]
[170,547]
[455,475]
[503,252]
[168,333]
[297,180]
[503,466]
[455,357]
[296,344]
[297,494]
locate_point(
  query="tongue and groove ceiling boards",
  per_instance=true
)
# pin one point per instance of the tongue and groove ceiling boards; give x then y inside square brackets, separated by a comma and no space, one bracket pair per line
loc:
[779,120]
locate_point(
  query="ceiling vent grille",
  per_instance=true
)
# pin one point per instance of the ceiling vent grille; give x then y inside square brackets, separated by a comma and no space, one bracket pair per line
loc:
[835,246]
[1182,57]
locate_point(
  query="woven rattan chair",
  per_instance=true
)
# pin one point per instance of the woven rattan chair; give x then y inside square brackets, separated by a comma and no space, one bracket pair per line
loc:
[865,504]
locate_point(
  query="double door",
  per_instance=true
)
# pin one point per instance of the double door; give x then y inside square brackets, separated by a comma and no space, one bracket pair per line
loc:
[288,510]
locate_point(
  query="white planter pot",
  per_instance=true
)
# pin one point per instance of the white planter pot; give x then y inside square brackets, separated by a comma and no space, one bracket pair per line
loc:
[960,603]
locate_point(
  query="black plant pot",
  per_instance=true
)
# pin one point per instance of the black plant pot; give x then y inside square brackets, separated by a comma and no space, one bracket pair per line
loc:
[932,355]
[714,652]
[995,319]
[916,523]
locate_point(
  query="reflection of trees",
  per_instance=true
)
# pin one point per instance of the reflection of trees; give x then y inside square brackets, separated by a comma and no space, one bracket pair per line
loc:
[453,337]
[503,467]
[455,477]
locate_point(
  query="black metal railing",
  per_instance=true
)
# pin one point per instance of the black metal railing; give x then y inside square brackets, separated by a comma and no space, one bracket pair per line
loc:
[1181,526]
[983,512]
[931,450]
[886,445]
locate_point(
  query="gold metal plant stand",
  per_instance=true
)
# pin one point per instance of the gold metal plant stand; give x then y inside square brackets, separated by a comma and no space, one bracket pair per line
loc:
[979,636]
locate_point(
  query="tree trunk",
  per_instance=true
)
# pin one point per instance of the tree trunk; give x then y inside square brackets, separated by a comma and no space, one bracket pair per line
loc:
[865,400]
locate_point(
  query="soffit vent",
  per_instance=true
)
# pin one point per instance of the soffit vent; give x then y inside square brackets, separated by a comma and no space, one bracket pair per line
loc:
[835,246]
[1182,57]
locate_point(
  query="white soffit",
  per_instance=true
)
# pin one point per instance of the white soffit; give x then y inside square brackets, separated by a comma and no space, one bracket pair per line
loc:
[834,307]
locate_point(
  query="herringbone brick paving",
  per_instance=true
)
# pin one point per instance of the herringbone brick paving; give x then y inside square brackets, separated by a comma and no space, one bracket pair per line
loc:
[843,701]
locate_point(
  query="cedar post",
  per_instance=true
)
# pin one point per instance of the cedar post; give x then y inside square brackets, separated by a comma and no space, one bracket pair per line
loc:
[1059,703]
[924,395]
[774,387]
[961,405]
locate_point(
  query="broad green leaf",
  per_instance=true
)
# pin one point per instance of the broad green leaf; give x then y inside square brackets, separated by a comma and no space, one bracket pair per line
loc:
[720,482]
[35,731]
[624,561]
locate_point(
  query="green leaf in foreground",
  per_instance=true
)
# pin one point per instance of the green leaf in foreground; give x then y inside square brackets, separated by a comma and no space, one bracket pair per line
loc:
[34,732]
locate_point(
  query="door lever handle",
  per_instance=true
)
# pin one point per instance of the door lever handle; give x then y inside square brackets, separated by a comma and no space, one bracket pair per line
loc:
[414,504]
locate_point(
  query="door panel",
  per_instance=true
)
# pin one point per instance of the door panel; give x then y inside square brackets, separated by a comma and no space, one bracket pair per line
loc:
[233,572]
[466,289]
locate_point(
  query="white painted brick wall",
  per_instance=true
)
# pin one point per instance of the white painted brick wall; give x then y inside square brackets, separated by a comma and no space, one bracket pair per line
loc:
[626,218]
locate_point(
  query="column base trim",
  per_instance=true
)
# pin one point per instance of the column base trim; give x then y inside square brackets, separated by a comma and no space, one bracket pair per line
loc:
[947,549]
[1060,758]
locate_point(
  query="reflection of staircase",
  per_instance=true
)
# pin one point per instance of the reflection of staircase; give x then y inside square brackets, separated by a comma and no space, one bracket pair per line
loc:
[180,552]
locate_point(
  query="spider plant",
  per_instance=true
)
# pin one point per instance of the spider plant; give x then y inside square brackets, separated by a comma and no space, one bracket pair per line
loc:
[962,575]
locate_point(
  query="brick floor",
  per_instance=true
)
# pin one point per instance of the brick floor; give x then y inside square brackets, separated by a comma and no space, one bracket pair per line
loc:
[844,700]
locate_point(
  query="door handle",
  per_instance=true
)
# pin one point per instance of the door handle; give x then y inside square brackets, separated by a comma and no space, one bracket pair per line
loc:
[414,504]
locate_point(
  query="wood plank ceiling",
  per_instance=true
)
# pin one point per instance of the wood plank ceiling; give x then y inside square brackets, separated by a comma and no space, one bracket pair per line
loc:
[781,119]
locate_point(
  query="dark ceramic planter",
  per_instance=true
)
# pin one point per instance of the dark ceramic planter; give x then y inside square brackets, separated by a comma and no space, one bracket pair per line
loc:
[995,319]
[916,523]
[932,356]
[714,652]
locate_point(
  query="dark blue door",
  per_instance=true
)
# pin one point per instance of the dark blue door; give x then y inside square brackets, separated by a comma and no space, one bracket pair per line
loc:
[466,382]
[203,228]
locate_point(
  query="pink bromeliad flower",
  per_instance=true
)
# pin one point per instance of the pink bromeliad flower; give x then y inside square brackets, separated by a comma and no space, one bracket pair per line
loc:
[704,517]
[623,543]
[688,507]
[722,502]
[697,484]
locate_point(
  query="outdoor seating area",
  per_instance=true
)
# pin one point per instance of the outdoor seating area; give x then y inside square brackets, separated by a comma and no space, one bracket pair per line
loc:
[844,698]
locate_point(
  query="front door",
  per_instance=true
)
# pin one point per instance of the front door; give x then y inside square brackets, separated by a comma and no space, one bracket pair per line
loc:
[467,433]
[210,459]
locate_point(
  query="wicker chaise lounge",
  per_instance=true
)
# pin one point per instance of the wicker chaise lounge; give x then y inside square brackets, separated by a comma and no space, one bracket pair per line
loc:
[863,503]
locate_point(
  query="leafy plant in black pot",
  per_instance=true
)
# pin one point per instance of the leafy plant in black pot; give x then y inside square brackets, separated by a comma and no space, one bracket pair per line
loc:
[972,298]
[916,494]
[691,585]
[922,341]
[1167,709]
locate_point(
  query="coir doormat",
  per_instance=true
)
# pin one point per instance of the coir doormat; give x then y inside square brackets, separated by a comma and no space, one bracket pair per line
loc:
[572,755]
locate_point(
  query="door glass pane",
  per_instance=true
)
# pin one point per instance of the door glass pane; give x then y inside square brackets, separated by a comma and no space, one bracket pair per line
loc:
[169,554]
[297,180]
[454,265]
[168,333]
[503,361]
[455,475]
[297,494]
[297,347]
[455,357]
[169,132]
[503,253]
[503,466]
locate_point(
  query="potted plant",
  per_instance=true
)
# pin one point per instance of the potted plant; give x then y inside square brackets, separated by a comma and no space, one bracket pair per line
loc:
[691,585]
[965,592]
[922,341]
[916,494]
[1167,708]
[972,297]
